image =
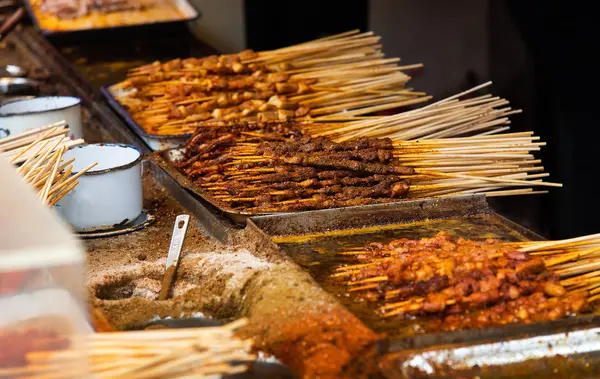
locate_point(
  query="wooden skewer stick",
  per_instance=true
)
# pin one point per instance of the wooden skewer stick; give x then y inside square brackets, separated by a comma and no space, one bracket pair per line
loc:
[34,143]
[31,132]
[71,180]
[52,175]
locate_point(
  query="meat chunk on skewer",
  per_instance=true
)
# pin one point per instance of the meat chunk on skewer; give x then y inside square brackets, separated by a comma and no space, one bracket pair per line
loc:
[463,283]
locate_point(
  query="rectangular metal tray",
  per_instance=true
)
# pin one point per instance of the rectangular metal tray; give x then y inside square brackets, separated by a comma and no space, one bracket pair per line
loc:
[307,237]
[184,6]
[313,239]
[568,348]
[154,141]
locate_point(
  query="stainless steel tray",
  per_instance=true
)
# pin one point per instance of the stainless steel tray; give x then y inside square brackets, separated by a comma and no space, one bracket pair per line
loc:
[405,212]
[188,12]
[567,348]
[312,239]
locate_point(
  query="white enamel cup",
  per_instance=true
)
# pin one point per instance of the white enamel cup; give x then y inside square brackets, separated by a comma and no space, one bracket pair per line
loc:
[108,195]
[21,115]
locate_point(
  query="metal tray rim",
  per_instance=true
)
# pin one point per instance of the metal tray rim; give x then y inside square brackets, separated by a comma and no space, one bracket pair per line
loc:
[122,112]
[471,198]
[49,32]
[329,219]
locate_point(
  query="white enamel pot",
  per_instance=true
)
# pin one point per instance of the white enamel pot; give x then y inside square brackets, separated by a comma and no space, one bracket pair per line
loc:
[21,115]
[108,195]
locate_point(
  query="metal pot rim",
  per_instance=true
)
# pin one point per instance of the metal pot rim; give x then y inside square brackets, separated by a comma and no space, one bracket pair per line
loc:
[13,114]
[112,169]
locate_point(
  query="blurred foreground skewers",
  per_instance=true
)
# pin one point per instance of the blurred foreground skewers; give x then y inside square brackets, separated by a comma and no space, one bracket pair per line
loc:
[181,353]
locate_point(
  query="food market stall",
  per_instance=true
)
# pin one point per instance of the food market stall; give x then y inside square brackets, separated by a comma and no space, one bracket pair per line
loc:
[313,246]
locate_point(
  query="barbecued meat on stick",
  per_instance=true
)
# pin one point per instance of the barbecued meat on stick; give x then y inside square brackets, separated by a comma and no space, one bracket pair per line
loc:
[306,173]
[460,280]
[318,144]
[536,307]
[345,164]
[314,79]
[213,64]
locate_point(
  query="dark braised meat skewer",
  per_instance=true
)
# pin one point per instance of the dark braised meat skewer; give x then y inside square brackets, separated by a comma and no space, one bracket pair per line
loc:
[270,167]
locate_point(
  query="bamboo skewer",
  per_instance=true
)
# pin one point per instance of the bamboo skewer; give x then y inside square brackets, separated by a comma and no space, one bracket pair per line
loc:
[40,152]
[346,73]
[197,352]
[576,261]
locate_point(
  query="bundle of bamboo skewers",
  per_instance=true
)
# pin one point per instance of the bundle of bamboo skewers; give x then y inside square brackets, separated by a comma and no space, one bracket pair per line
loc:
[19,148]
[326,77]
[39,154]
[449,117]
[181,353]
[496,165]
[575,261]
[461,143]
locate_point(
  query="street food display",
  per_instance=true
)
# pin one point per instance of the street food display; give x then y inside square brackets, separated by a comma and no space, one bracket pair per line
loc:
[471,284]
[291,135]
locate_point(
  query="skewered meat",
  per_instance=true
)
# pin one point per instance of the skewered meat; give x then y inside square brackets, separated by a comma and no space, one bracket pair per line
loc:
[467,283]
[532,308]
[294,174]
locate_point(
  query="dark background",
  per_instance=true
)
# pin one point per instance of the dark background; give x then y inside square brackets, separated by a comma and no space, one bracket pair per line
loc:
[542,58]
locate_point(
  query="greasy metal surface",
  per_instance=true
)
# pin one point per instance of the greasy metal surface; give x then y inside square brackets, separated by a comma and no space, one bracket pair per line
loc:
[563,355]
[363,216]
[321,221]
[13,52]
